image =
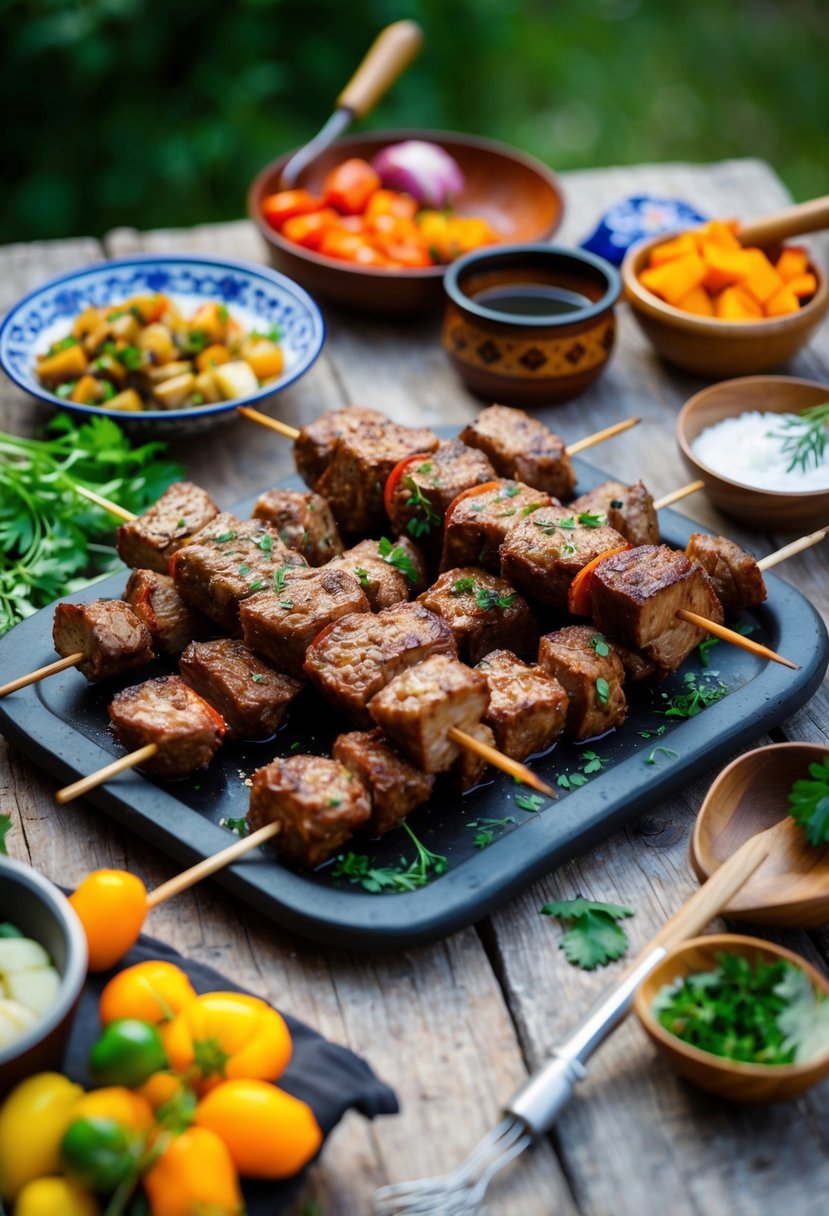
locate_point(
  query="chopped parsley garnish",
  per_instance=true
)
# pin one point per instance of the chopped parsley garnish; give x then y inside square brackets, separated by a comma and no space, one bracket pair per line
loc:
[181,523]
[809,802]
[512,491]
[279,577]
[286,604]
[406,876]
[593,937]
[427,517]
[265,542]
[594,764]
[695,699]
[257,677]
[396,555]
[600,646]
[272,335]
[362,575]
[703,648]
[295,746]
[333,801]
[602,690]
[667,751]
[463,586]
[240,825]
[569,549]
[571,781]
[649,734]
[488,597]
[244,569]
[131,357]
[63,344]
[425,468]
[568,522]
[530,507]
[193,343]
[589,519]
[221,312]
[107,391]
[545,525]
[485,830]
[256,584]
[66,389]
[223,537]
[528,802]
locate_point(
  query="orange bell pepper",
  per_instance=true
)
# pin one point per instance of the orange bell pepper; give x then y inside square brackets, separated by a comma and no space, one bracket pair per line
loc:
[224,1035]
[282,206]
[153,991]
[112,905]
[349,186]
[268,1132]
[581,588]
[195,1173]
[395,475]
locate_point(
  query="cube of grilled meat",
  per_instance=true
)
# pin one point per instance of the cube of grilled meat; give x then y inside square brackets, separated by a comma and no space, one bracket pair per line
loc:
[360,653]
[186,730]
[483,611]
[107,633]
[420,498]
[395,787]
[315,442]
[544,552]
[522,447]
[282,625]
[637,594]
[476,525]
[148,542]
[252,698]
[419,707]
[527,705]
[389,572]
[155,600]
[738,580]
[592,680]
[317,802]
[638,667]
[629,509]
[359,468]
[229,561]
[470,769]
[304,523]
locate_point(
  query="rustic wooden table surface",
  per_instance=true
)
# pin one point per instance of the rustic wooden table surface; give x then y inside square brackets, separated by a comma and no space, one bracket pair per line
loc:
[456,1026]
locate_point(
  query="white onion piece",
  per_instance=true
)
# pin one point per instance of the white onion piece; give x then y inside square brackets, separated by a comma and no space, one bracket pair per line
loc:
[424,170]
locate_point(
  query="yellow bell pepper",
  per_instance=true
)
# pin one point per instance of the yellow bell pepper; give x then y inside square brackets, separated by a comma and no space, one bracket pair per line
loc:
[55,1197]
[33,1119]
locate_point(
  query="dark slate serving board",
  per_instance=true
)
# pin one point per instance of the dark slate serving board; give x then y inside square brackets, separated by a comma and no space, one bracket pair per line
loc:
[62,725]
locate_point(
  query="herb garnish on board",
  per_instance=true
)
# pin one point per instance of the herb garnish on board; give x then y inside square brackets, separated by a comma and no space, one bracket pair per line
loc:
[809,802]
[593,937]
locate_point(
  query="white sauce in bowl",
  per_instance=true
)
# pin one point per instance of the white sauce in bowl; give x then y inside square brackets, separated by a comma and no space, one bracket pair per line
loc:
[749,449]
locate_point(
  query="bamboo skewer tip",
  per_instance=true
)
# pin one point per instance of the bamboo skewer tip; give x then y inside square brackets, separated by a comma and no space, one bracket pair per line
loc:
[737,639]
[41,673]
[78,788]
[272,424]
[794,547]
[513,768]
[607,432]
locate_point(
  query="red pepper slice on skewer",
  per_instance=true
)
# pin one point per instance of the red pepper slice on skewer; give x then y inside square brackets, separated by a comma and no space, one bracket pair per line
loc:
[395,475]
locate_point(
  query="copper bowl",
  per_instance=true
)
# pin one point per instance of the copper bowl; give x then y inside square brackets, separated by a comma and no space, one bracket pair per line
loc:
[729,1079]
[522,359]
[780,510]
[518,195]
[708,346]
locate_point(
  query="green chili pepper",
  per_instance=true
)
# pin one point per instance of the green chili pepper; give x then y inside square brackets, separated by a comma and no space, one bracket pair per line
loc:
[127,1053]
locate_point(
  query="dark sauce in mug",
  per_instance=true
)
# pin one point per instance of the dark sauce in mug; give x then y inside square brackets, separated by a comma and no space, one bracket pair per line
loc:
[532,299]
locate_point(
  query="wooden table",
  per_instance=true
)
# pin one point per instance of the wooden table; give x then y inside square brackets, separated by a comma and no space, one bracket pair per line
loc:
[456,1026]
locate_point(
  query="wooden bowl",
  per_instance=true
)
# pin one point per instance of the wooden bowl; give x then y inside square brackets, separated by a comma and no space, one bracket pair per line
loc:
[728,1079]
[708,346]
[778,510]
[518,195]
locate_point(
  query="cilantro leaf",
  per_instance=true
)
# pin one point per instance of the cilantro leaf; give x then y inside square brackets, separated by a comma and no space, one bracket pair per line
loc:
[571,909]
[809,802]
[396,555]
[593,938]
[529,802]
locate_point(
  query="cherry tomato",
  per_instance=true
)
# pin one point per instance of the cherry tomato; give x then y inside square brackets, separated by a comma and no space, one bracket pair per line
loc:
[350,185]
[112,905]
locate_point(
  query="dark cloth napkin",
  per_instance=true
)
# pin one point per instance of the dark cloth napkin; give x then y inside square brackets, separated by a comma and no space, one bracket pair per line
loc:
[330,1078]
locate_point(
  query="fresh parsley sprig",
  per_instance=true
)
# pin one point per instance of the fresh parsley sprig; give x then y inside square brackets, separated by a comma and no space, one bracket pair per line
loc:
[396,555]
[406,876]
[593,937]
[809,802]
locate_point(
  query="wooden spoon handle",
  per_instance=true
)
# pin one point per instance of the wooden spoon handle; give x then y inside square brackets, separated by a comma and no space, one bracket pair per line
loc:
[392,51]
[793,221]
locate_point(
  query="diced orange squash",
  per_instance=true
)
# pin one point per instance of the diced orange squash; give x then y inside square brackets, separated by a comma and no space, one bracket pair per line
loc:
[803,285]
[128,400]
[736,304]
[86,391]
[678,247]
[212,356]
[150,308]
[67,364]
[720,232]
[782,302]
[793,261]
[760,277]
[676,278]
[697,301]
[85,322]
[722,266]
[211,320]
[158,340]
[263,357]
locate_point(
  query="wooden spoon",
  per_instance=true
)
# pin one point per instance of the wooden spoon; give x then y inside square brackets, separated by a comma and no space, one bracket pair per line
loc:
[791,221]
[791,887]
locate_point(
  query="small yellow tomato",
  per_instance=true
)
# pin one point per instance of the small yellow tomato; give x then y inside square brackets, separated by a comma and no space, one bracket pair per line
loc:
[112,905]
[269,1133]
[194,1173]
[33,1119]
[55,1197]
[153,991]
[119,1103]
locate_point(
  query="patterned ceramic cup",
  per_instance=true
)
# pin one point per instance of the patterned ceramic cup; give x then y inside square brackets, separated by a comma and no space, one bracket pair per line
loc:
[529,324]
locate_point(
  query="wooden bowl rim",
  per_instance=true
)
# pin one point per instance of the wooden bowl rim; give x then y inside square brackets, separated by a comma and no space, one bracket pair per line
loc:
[639,297]
[737,943]
[478,143]
[706,471]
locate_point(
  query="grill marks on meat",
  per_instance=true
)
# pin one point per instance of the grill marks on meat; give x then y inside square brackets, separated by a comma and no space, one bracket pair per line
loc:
[359,467]
[418,708]
[476,526]
[422,495]
[636,596]
[281,625]
[148,542]
[316,440]
[155,600]
[359,654]
[252,698]
[629,509]
[527,706]
[187,731]
[520,446]
[738,580]
[593,682]
[317,802]
[395,786]
[544,552]
[383,582]
[304,523]
[227,562]
[108,633]
[483,611]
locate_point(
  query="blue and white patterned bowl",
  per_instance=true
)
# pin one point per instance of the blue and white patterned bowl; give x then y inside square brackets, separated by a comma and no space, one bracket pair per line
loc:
[257,297]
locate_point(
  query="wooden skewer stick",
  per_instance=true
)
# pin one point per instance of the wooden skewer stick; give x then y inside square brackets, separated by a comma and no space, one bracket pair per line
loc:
[675,495]
[729,635]
[795,546]
[112,507]
[589,441]
[203,869]
[273,424]
[79,788]
[512,767]
[50,669]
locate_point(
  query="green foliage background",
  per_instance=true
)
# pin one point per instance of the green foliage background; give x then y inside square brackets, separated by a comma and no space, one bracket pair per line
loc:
[159,112]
